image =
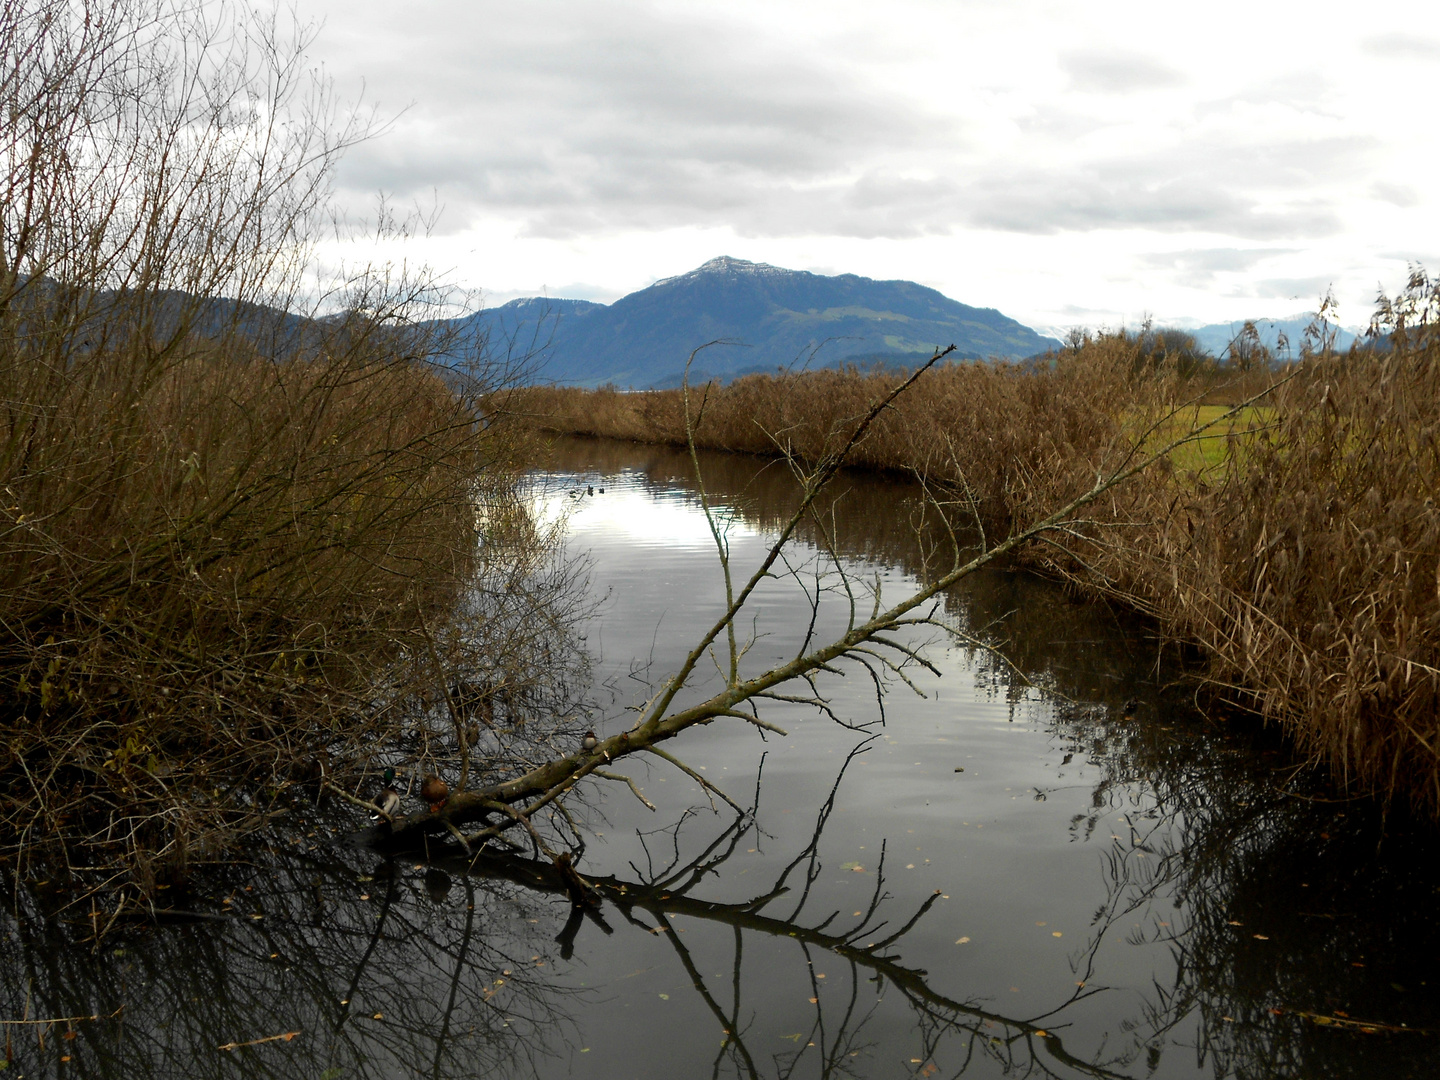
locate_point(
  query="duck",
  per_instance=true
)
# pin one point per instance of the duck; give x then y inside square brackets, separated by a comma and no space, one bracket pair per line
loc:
[388,800]
[589,742]
[434,791]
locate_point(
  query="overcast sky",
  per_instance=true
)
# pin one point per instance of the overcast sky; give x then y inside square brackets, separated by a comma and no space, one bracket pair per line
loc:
[1068,163]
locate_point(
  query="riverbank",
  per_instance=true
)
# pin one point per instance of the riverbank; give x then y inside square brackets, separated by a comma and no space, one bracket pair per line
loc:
[1299,548]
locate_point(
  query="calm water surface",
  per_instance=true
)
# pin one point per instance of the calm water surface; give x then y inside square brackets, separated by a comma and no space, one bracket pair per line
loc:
[1009,877]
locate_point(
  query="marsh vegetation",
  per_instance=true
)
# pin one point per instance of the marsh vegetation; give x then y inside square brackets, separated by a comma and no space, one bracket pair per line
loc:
[258,550]
[1297,541]
[250,535]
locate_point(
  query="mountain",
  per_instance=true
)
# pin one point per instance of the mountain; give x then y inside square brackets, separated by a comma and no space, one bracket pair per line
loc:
[1215,338]
[766,318]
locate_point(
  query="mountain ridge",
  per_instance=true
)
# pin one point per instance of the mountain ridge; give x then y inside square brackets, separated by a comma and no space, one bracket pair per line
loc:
[753,317]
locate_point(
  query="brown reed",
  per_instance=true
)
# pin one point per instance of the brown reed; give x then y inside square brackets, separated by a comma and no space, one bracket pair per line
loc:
[1301,550]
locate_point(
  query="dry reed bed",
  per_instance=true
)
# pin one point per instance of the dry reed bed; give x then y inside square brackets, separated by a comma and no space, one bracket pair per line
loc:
[245,534]
[1305,558]
[221,574]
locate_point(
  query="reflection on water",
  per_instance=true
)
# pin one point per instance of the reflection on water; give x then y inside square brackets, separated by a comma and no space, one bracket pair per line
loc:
[1015,875]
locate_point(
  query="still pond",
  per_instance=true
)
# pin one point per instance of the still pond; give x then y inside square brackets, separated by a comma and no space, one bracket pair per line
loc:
[1041,861]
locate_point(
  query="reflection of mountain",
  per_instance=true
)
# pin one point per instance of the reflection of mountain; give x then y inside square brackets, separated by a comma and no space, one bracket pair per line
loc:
[769,316]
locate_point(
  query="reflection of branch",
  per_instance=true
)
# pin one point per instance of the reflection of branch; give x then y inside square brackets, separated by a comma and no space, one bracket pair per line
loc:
[461,960]
[728,1024]
[663,904]
[375,939]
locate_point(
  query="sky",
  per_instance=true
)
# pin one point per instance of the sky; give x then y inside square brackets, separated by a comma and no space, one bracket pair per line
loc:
[1069,164]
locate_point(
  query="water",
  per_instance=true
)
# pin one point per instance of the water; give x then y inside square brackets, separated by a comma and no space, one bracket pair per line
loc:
[1096,894]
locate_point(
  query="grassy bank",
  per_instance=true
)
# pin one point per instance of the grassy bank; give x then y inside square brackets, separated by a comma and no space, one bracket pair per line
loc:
[1299,546]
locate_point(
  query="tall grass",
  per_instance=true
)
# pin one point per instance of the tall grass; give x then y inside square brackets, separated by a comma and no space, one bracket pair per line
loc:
[1308,564]
[1300,548]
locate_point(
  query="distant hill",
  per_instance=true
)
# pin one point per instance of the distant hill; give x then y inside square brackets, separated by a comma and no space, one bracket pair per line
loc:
[1216,337]
[768,318]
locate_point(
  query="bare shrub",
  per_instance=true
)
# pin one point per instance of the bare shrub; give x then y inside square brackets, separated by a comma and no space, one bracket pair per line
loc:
[248,535]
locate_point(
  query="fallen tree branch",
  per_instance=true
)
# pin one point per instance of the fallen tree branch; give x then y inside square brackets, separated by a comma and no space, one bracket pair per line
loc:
[551,780]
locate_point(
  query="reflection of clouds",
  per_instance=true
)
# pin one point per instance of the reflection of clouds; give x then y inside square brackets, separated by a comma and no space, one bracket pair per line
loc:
[631,513]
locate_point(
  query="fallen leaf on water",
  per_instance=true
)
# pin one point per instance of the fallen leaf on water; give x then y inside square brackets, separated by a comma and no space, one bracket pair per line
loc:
[664,997]
[1055,933]
[1234,922]
[1260,937]
[961,941]
[909,866]
[1042,1034]
[814,1001]
[854,866]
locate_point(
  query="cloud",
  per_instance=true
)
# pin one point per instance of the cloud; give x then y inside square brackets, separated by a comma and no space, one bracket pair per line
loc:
[1401,195]
[599,120]
[1215,260]
[644,118]
[1200,268]
[1402,46]
[1117,71]
[1289,288]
